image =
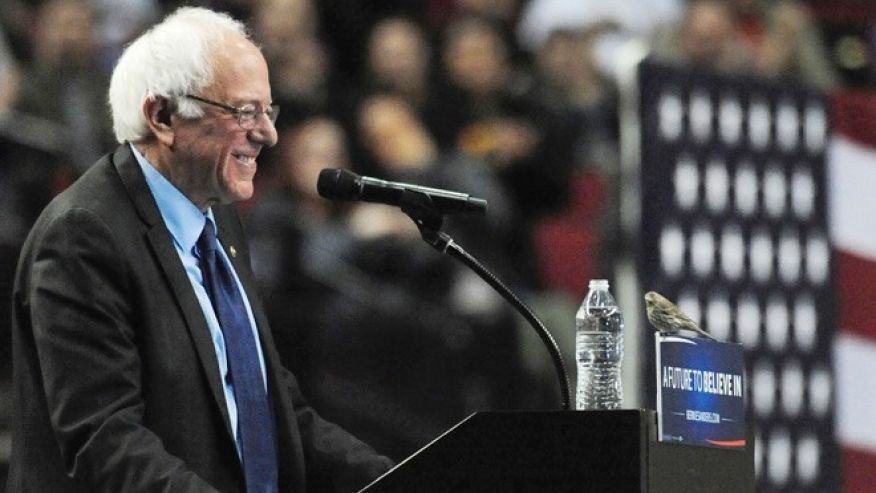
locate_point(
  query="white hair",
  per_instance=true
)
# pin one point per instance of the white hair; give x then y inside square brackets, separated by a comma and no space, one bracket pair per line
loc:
[173,58]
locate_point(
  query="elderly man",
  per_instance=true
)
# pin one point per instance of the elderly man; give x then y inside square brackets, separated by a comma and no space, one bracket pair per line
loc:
[142,357]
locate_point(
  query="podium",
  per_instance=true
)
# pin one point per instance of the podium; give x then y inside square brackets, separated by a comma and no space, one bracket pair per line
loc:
[566,451]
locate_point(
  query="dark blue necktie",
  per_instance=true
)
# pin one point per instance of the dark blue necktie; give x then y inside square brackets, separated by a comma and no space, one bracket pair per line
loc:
[255,424]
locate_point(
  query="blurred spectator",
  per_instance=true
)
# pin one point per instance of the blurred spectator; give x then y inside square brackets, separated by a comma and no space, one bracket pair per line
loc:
[705,38]
[475,57]
[502,14]
[503,11]
[279,23]
[64,84]
[30,175]
[348,24]
[293,229]
[486,108]
[404,150]
[571,85]
[614,24]
[566,68]
[473,332]
[303,81]
[16,20]
[286,30]
[399,60]
[785,41]
[117,22]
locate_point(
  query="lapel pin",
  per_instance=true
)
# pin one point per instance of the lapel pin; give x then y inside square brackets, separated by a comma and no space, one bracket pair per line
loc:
[232,251]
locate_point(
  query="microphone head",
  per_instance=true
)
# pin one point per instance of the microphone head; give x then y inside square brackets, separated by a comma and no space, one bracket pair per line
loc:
[339,184]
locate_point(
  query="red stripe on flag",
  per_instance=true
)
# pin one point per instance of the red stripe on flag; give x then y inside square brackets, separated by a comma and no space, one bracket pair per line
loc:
[856,277]
[854,113]
[860,471]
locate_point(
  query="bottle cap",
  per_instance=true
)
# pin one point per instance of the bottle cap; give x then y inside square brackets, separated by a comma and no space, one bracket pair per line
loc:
[598,284]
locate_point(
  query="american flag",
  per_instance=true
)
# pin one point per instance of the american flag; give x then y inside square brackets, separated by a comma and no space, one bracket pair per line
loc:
[735,226]
[851,162]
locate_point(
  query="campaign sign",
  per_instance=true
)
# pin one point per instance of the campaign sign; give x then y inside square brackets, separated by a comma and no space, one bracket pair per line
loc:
[700,392]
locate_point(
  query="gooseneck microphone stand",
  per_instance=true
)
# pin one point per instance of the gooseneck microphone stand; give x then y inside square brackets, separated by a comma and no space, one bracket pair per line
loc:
[429,220]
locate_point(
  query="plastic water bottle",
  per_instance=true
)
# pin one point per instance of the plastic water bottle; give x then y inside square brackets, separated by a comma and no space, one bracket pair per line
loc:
[599,348]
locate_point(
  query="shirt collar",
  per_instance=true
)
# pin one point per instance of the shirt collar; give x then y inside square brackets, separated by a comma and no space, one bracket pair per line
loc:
[182,218]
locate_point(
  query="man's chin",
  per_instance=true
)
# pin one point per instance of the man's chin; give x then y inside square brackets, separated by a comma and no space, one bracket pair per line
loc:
[240,194]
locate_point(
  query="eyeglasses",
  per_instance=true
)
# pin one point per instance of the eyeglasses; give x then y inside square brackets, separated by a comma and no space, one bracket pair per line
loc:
[246,115]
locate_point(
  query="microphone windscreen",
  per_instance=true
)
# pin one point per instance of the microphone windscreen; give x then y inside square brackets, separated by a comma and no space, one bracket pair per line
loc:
[338,184]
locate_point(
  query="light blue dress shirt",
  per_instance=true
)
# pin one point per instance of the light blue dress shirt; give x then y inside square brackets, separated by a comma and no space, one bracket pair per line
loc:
[185,223]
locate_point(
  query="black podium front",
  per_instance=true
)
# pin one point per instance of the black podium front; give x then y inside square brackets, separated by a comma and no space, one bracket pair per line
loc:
[566,451]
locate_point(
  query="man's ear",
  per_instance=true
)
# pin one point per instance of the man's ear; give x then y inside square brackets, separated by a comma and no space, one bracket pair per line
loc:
[158,111]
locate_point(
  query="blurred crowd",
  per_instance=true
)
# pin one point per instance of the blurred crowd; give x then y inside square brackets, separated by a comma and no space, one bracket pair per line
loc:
[513,101]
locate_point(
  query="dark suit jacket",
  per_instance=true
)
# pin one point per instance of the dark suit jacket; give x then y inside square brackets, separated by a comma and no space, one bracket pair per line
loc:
[116,383]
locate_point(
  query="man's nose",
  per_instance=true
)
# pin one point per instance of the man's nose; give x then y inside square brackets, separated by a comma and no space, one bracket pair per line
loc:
[265,132]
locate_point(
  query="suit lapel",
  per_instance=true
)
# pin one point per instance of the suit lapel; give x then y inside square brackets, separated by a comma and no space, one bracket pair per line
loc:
[161,243]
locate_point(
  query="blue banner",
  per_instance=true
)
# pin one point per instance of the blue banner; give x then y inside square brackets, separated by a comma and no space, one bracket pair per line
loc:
[700,391]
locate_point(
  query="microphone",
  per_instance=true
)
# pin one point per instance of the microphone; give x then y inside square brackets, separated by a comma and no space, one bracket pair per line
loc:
[341,184]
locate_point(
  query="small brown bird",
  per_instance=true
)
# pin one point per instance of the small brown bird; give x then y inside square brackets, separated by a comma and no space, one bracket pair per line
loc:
[668,318]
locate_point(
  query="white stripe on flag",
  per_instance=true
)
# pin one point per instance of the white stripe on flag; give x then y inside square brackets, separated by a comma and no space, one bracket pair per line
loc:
[852,178]
[856,391]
